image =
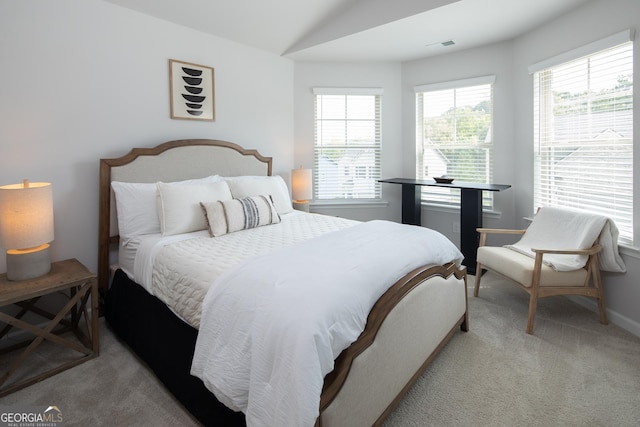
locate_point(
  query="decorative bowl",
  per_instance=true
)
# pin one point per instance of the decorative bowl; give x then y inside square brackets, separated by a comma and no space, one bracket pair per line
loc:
[443,179]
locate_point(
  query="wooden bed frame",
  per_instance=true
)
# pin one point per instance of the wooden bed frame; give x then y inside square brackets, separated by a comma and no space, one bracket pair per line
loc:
[405,330]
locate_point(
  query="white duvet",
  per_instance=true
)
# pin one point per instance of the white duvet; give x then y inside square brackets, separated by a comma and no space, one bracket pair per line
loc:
[180,269]
[271,328]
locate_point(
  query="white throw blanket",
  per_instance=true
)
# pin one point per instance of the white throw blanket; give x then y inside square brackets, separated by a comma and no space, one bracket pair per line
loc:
[560,228]
[271,329]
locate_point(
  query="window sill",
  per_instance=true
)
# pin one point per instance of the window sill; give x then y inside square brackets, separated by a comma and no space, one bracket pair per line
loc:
[349,204]
[632,251]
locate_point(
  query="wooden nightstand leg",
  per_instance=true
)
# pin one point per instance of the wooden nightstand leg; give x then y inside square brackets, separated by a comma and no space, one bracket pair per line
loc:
[87,292]
[95,310]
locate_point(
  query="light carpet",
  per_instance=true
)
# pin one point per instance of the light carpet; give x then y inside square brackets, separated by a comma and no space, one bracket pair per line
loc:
[572,371]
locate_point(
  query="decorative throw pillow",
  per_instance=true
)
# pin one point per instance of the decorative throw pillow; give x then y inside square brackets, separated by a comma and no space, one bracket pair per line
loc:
[227,216]
[274,186]
[179,208]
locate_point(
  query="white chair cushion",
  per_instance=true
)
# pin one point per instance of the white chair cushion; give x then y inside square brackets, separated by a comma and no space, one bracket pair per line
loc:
[519,267]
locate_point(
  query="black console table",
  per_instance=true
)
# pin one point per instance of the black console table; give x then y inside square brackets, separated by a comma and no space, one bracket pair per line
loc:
[470,210]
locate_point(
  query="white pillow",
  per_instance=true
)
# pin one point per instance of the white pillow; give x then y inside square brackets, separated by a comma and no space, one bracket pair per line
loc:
[136,209]
[136,206]
[244,186]
[179,208]
[227,216]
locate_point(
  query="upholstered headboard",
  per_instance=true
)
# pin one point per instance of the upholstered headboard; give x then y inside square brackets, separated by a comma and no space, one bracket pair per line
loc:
[171,161]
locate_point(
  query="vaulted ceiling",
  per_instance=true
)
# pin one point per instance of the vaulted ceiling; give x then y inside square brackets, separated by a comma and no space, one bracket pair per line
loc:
[358,30]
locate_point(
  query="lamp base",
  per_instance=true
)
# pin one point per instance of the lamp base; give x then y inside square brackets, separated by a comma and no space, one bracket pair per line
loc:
[28,264]
[301,205]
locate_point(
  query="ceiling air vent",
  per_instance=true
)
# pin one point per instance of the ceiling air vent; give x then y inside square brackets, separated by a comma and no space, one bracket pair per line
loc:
[448,43]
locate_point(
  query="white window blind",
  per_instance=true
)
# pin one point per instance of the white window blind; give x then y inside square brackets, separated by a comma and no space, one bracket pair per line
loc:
[454,136]
[347,144]
[583,135]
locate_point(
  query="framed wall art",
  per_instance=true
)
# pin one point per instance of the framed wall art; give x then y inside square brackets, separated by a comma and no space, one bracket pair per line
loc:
[192,91]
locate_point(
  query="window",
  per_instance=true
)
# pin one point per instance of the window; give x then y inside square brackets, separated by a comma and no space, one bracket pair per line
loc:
[454,122]
[347,144]
[583,134]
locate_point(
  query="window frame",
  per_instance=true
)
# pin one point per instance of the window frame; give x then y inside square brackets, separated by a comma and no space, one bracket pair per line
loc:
[373,171]
[543,116]
[451,197]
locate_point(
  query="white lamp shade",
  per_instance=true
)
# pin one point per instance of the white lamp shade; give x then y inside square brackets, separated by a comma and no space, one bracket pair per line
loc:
[26,215]
[301,184]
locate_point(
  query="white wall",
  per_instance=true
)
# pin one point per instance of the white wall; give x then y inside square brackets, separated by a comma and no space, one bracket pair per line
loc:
[379,75]
[85,79]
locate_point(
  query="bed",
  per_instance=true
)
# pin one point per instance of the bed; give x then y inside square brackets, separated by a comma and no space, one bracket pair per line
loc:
[407,320]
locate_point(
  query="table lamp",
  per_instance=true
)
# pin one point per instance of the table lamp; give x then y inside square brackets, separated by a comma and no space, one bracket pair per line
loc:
[301,188]
[26,228]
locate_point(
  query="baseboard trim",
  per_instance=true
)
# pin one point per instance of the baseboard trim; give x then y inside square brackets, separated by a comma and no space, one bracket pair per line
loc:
[614,317]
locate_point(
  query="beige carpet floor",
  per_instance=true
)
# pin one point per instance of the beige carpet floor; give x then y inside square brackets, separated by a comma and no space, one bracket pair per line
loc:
[572,372]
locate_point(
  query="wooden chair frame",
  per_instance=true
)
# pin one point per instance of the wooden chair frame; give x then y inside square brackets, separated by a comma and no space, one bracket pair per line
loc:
[536,290]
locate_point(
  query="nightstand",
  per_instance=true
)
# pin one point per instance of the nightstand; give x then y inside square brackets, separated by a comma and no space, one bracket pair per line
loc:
[78,285]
